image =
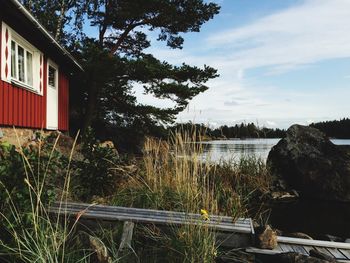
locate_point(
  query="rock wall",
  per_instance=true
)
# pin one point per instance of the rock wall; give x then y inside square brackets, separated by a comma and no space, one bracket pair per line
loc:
[23,135]
[12,135]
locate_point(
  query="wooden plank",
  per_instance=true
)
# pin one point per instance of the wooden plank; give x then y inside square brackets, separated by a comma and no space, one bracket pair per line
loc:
[143,212]
[345,252]
[309,242]
[323,251]
[336,253]
[251,226]
[307,248]
[279,248]
[299,249]
[149,216]
[246,221]
[263,251]
[128,230]
[116,217]
[286,247]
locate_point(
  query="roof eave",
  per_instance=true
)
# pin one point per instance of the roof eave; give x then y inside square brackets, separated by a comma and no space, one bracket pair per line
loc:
[46,33]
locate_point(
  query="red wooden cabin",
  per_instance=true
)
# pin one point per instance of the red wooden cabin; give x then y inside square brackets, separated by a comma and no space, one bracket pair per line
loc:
[35,72]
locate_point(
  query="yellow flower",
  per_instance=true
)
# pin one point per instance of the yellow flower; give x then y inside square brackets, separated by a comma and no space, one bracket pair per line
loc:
[205,214]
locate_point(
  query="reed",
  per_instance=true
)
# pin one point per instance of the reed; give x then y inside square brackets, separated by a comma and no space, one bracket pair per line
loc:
[32,234]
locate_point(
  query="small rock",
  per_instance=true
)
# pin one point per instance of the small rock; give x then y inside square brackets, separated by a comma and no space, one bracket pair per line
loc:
[266,238]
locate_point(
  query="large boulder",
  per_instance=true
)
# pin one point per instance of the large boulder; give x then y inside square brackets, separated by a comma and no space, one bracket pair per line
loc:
[310,163]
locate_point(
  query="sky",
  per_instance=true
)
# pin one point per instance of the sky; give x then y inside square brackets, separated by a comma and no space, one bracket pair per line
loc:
[280,62]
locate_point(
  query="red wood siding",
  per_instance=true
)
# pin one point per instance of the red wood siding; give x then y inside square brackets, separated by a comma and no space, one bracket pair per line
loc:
[21,108]
[63,102]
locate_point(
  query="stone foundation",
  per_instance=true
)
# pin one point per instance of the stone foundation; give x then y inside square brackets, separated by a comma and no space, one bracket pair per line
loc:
[13,135]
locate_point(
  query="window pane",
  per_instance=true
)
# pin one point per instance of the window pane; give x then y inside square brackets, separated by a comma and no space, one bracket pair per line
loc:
[52,76]
[20,58]
[29,69]
[13,60]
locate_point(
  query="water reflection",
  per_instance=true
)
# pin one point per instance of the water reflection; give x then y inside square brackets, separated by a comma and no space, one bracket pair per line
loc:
[236,148]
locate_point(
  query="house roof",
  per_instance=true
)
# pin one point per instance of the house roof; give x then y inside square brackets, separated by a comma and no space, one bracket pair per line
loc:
[47,35]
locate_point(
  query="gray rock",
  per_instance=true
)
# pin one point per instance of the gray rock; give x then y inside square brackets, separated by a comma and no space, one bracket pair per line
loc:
[310,163]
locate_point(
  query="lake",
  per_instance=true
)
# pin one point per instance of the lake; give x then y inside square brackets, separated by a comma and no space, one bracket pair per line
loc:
[236,148]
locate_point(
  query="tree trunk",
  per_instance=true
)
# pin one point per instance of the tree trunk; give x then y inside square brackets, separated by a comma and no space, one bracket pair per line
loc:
[60,20]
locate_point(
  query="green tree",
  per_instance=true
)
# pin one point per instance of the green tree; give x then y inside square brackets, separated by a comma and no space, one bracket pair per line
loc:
[64,19]
[122,25]
[116,59]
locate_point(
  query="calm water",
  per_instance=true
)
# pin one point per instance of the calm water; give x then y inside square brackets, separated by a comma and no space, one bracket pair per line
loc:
[235,148]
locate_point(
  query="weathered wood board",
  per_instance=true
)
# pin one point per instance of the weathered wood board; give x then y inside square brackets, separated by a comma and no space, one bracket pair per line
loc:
[339,251]
[228,232]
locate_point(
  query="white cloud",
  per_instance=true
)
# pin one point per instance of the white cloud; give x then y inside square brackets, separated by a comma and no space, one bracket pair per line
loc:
[313,31]
[294,38]
[271,123]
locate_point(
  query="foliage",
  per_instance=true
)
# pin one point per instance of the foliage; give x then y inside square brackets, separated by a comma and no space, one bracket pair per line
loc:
[116,61]
[17,162]
[171,176]
[59,15]
[334,129]
[98,172]
[242,130]
[28,232]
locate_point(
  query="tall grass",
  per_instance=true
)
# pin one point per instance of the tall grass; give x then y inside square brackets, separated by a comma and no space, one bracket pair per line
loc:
[30,233]
[172,175]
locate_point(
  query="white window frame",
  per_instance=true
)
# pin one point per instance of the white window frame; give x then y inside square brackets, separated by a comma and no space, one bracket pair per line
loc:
[27,47]
[53,65]
[16,79]
[37,78]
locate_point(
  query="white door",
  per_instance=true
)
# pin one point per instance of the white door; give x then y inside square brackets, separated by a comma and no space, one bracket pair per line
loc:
[52,96]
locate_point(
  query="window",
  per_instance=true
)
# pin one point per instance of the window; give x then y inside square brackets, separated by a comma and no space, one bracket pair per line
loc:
[52,77]
[21,64]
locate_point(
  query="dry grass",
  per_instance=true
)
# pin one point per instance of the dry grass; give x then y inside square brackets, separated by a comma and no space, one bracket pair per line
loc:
[172,176]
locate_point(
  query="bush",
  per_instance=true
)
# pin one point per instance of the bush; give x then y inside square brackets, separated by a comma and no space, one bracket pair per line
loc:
[28,165]
[98,172]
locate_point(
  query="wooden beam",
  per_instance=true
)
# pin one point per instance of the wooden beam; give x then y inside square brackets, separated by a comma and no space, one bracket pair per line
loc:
[310,242]
[126,239]
[82,206]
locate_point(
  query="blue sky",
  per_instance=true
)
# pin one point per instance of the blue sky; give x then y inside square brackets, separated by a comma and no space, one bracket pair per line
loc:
[280,62]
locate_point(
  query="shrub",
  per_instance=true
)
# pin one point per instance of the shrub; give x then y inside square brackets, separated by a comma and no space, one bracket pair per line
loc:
[97,172]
